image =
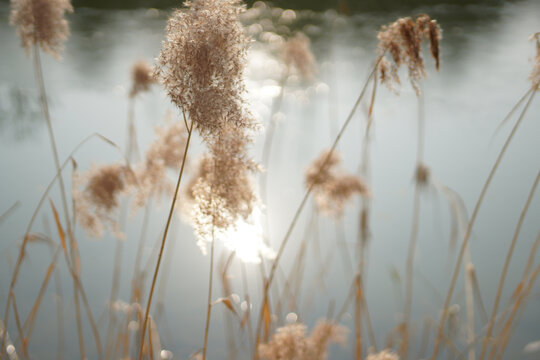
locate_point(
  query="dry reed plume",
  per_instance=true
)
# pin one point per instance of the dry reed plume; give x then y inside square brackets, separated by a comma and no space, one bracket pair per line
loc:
[201,64]
[332,188]
[296,54]
[403,40]
[141,78]
[165,152]
[41,22]
[292,342]
[97,202]
[222,191]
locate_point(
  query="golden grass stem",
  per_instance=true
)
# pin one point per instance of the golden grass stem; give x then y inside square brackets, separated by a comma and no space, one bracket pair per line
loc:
[154,280]
[19,327]
[209,304]
[248,308]
[472,220]
[506,265]
[9,211]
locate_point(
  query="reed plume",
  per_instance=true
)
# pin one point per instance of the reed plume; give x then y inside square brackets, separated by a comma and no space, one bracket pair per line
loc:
[297,55]
[41,22]
[201,64]
[97,202]
[403,39]
[222,191]
[165,152]
[332,188]
[291,342]
[141,78]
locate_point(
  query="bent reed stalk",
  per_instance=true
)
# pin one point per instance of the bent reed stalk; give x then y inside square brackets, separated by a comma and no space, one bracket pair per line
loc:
[268,282]
[156,270]
[532,91]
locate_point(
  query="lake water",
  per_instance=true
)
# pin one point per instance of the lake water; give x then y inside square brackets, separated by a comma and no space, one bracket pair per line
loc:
[486,60]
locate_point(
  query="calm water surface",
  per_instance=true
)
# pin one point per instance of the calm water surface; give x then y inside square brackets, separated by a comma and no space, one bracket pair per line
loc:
[486,59]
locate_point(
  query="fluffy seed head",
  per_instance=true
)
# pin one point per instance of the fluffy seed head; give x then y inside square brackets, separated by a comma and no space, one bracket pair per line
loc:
[41,22]
[141,78]
[221,192]
[332,188]
[292,341]
[96,203]
[165,152]
[321,169]
[297,54]
[403,39]
[201,64]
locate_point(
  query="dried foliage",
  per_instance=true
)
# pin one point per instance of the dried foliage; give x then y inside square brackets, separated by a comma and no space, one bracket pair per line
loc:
[403,39]
[141,78]
[97,202]
[297,55]
[201,64]
[291,342]
[332,188]
[41,22]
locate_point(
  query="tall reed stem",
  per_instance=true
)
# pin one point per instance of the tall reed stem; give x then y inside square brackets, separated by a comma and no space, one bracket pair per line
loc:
[173,204]
[457,268]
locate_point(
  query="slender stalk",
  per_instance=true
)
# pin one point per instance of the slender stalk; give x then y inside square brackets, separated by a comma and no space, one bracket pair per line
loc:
[248,303]
[209,305]
[285,240]
[472,221]
[154,280]
[505,267]
[414,234]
